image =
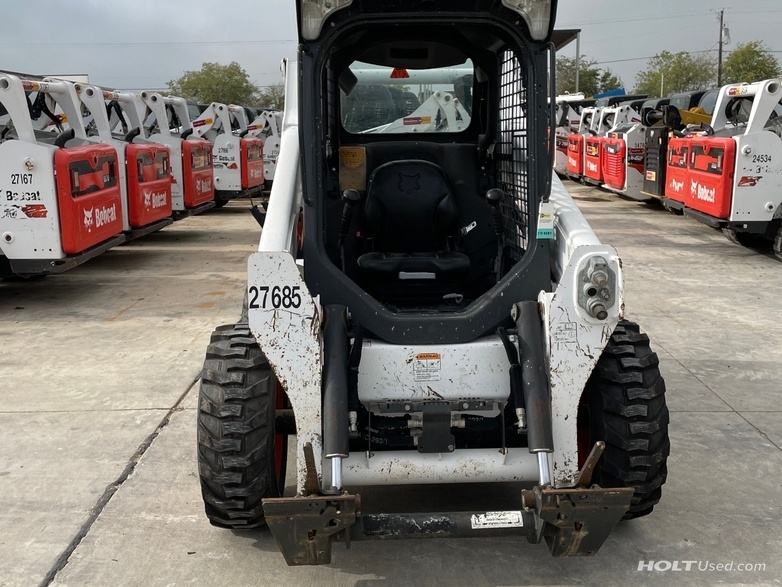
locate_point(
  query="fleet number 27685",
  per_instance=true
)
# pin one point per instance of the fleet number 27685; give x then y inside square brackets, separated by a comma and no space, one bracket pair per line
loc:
[274,297]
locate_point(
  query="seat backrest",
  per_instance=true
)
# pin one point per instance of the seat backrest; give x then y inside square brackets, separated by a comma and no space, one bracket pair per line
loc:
[409,207]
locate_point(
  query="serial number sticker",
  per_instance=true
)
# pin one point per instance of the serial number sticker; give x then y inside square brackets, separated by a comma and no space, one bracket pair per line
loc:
[509,519]
[546,221]
[427,366]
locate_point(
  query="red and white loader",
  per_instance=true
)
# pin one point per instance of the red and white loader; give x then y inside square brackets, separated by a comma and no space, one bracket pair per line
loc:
[192,188]
[568,119]
[238,158]
[60,198]
[612,118]
[144,170]
[267,127]
[728,174]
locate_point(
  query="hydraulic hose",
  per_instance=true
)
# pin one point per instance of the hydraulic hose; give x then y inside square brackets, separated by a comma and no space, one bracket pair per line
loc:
[537,395]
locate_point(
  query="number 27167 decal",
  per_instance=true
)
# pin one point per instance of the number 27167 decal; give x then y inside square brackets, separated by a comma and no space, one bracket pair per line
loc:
[274,297]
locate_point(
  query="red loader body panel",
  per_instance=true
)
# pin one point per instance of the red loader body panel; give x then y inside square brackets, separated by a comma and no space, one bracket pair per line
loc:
[614,162]
[88,195]
[197,172]
[251,152]
[592,155]
[575,150]
[677,182]
[712,161]
[149,183]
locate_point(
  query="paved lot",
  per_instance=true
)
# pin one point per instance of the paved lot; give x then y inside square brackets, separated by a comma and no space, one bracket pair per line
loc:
[98,372]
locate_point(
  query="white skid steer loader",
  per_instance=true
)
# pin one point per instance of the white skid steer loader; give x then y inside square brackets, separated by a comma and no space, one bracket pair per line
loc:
[267,127]
[145,178]
[238,158]
[167,121]
[60,198]
[728,174]
[428,307]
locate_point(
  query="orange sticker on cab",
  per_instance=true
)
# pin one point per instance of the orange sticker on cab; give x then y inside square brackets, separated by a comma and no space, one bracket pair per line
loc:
[415,120]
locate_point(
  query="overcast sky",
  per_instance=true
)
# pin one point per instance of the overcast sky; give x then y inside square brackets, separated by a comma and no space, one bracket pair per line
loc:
[141,44]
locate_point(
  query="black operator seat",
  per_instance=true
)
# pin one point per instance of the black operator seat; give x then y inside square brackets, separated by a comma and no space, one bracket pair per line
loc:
[411,216]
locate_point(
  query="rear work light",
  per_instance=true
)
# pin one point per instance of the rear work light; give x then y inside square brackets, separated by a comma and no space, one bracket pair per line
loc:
[314,14]
[537,14]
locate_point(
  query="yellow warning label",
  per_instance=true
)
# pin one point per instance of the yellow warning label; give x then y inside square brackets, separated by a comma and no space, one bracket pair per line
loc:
[427,366]
[352,168]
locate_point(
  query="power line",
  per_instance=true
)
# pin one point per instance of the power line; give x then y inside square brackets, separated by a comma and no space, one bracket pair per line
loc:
[677,16]
[145,44]
[651,57]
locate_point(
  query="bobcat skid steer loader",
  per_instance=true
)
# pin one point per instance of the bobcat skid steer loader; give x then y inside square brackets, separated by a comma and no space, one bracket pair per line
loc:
[727,174]
[237,158]
[427,305]
[167,121]
[266,127]
[60,197]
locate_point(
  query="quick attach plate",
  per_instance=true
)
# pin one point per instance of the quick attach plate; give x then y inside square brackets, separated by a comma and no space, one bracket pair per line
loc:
[303,526]
[578,520]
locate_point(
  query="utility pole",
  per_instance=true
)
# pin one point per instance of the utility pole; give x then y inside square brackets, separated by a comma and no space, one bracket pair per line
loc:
[719,51]
[578,57]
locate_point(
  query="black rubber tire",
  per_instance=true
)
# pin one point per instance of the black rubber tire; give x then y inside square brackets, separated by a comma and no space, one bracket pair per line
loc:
[745,239]
[778,243]
[625,396]
[220,203]
[236,440]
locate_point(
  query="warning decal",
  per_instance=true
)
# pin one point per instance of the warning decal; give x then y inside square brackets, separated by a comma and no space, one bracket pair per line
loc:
[426,367]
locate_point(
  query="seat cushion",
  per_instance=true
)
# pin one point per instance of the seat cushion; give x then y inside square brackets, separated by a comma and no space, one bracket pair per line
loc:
[443,265]
[409,207]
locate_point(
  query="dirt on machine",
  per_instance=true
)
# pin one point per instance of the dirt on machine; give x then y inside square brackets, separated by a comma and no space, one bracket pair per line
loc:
[427,306]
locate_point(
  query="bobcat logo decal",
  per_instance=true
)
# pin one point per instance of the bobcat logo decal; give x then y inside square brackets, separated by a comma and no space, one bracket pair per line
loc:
[409,183]
[88,219]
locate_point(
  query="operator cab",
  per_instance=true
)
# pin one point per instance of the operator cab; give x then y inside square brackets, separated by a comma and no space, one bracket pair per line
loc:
[425,155]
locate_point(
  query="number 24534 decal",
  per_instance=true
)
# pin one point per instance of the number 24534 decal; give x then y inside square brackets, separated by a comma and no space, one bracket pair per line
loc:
[275,297]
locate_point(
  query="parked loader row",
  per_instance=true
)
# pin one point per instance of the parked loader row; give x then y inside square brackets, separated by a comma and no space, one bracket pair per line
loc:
[83,168]
[715,156]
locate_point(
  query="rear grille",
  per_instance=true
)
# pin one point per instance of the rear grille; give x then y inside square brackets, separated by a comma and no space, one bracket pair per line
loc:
[613,163]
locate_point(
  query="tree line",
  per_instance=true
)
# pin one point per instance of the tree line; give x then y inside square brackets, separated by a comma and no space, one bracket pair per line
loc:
[226,84]
[668,73]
